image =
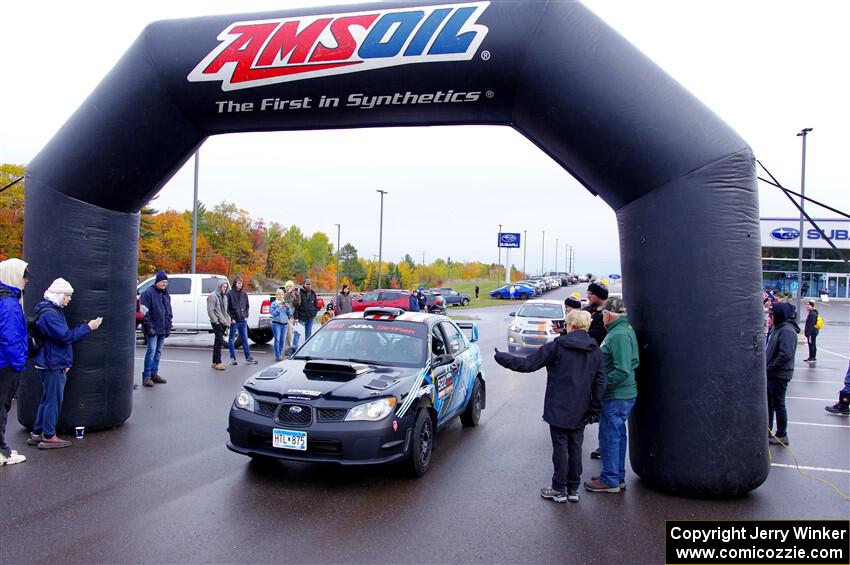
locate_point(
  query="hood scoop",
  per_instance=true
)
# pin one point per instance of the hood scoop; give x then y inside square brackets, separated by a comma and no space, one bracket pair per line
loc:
[382,383]
[335,370]
[270,373]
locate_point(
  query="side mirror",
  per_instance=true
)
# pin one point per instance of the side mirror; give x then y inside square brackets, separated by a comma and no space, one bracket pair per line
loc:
[289,352]
[512,314]
[443,359]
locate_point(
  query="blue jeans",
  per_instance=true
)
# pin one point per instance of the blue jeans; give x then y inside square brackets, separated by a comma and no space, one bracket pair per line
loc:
[613,441]
[279,331]
[308,328]
[152,355]
[242,328]
[52,393]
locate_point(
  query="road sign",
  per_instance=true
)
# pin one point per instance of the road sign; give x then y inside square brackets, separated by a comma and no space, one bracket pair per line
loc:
[509,240]
[614,276]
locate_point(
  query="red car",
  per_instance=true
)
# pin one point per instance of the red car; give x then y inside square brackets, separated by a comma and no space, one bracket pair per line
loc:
[384,298]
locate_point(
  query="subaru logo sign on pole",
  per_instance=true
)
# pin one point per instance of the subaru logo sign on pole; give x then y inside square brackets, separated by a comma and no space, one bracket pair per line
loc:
[509,240]
[785,233]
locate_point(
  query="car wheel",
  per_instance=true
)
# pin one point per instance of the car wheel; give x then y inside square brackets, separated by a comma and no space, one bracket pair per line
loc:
[464,302]
[260,337]
[422,446]
[524,296]
[472,412]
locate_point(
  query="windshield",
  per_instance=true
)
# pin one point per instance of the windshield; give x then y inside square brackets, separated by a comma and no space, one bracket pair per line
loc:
[369,341]
[550,311]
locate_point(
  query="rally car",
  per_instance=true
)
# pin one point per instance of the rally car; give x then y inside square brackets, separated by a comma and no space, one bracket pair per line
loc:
[368,387]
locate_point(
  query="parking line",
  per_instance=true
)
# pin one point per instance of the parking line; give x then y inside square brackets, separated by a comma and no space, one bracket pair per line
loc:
[810,398]
[180,347]
[825,469]
[820,425]
[171,361]
[818,382]
[833,353]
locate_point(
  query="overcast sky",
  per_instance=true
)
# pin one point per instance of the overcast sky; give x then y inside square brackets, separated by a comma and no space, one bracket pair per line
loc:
[768,68]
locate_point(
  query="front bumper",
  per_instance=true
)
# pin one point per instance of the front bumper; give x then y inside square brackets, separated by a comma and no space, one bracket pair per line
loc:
[346,443]
[526,341]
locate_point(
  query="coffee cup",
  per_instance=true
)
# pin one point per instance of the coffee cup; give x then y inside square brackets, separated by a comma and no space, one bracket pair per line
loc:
[80,431]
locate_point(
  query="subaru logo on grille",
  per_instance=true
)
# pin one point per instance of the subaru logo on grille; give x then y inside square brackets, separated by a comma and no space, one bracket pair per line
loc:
[295,409]
[785,233]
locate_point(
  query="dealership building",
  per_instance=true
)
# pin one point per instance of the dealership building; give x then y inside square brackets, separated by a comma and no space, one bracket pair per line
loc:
[823,267]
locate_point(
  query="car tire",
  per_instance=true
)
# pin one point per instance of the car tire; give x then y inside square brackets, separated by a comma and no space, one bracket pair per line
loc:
[422,446]
[472,413]
[260,337]
[464,302]
[523,296]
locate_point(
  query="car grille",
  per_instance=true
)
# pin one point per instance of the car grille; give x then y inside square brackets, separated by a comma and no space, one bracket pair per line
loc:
[301,417]
[265,408]
[332,414]
[533,332]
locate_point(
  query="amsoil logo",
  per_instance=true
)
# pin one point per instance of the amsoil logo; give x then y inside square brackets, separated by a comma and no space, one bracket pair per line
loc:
[263,52]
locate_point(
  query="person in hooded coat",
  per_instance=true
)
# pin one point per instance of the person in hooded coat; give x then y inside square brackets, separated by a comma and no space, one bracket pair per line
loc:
[779,355]
[575,384]
[54,359]
[13,346]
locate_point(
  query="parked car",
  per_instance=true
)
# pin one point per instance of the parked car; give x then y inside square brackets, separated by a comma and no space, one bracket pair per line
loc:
[521,292]
[368,387]
[390,298]
[436,303]
[452,297]
[539,287]
[189,305]
[534,324]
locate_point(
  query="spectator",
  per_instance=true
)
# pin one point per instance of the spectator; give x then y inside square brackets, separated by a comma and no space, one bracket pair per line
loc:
[157,325]
[281,313]
[414,301]
[620,354]
[512,290]
[291,294]
[842,407]
[343,301]
[476,292]
[811,330]
[13,346]
[423,300]
[53,360]
[779,354]
[597,294]
[575,384]
[307,307]
[220,321]
[573,303]
[237,309]
[328,315]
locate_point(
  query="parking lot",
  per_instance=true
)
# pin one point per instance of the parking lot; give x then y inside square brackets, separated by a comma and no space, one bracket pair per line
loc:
[163,487]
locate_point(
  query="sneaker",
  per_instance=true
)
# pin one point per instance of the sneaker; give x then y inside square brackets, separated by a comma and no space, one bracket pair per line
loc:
[219,367]
[595,454]
[233,362]
[779,440]
[572,495]
[622,484]
[838,409]
[34,439]
[54,442]
[13,458]
[251,361]
[552,494]
[147,382]
[158,380]
[598,486]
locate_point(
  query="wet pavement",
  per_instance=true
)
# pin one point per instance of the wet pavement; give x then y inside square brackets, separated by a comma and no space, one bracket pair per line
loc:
[163,487]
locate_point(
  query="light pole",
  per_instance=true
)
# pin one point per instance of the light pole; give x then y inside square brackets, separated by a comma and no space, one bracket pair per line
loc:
[337,256]
[566,258]
[803,133]
[524,244]
[195,216]
[499,245]
[381,236]
[556,254]
[543,253]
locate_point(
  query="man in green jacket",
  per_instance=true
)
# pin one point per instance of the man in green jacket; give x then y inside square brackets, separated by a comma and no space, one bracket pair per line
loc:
[620,355]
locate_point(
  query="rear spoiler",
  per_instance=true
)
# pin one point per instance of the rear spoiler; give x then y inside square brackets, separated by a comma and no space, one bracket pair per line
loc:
[473,330]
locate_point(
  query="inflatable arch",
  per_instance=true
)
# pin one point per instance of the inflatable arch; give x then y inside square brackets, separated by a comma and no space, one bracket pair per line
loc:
[680,180]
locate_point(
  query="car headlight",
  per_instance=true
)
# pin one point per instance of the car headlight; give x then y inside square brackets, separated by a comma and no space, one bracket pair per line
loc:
[245,401]
[372,411]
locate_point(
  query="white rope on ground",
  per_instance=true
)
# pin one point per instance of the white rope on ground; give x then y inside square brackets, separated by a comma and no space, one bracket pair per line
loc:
[800,470]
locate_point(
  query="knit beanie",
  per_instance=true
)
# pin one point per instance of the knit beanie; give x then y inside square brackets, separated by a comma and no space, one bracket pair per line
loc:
[161,276]
[598,290]
[572,302]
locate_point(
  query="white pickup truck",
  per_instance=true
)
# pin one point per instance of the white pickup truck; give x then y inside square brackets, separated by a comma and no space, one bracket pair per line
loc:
[189,305]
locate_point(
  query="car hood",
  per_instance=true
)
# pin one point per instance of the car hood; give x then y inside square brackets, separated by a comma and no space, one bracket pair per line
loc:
[331,380]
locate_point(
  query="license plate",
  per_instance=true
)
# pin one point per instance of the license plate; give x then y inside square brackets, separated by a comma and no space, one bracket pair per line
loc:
[288,439]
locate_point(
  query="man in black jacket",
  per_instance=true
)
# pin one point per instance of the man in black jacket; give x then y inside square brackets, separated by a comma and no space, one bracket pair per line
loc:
[812,331]
[237,308]
[575,383]
[597,294]
[307,307]
[780,352]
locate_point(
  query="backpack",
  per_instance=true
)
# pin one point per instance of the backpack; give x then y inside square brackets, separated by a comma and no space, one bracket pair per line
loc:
[819,323]
[35,339]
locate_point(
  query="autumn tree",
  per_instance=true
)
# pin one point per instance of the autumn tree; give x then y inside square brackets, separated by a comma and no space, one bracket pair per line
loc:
[11,212]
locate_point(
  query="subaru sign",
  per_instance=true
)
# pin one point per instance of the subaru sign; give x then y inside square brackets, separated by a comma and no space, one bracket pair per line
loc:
[784,234]
[509,240]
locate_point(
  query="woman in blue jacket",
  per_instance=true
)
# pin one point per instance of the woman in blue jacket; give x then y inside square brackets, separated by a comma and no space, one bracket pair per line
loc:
[53,360]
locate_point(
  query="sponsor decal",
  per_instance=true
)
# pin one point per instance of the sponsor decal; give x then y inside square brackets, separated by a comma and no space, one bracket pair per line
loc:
[263,52]
[784,234]
[308,393]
